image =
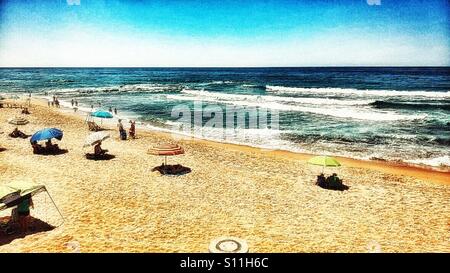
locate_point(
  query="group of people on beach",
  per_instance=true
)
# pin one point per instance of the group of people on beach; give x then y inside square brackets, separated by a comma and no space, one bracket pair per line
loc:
[111,110]
[123,132]
[74,103]
[332,182]
[47,149]
[54,102]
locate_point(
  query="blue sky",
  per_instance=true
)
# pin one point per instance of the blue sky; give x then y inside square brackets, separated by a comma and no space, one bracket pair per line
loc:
[223,33]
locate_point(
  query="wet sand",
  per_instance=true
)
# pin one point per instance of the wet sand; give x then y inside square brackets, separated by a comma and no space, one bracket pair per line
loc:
[266,197]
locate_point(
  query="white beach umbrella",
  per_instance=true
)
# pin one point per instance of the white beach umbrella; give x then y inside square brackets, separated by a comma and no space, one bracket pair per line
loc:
[95,138]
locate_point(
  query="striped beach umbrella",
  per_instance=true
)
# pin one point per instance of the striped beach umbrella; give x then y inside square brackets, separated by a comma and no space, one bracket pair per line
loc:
[18,121]
[166,150]
[95,138]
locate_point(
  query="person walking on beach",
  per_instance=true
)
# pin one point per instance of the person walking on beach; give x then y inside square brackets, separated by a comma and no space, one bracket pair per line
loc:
[72,102]
[115,111]
[122,132]
[132,129]
[76,103]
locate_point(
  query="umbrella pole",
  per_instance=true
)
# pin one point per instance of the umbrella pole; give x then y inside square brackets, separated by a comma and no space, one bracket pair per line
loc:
[55,205]
[165,160]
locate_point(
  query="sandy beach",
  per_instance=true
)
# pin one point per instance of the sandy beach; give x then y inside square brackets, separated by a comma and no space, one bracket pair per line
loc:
[266,197]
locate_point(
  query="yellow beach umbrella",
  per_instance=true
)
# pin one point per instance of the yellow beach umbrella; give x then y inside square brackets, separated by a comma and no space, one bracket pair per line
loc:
[324,161]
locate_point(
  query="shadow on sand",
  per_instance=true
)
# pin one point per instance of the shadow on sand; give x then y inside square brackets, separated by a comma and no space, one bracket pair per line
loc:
[52,152]
[8,234]
[172,169]
[99,157]
[340,187]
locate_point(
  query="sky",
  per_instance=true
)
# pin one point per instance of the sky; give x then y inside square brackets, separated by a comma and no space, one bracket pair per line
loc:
[226,33]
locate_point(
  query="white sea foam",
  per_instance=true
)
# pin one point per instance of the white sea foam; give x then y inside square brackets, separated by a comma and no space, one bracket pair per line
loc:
[341,110]
[435,161]
[349,91]
[128,88]
[265,98]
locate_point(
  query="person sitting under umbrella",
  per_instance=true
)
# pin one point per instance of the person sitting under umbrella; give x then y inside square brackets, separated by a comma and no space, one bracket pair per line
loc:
[51,147]
[334,182]
[23,209]
[98,151]
[321,181]
[37,148]
[47,134]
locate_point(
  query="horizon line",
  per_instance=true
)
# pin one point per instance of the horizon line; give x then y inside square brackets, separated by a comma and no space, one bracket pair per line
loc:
[327,66]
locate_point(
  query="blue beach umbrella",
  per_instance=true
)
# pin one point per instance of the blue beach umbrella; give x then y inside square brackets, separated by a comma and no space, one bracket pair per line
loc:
[47,133]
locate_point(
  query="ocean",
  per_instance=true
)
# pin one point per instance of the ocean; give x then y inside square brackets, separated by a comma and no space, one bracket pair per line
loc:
[397,114]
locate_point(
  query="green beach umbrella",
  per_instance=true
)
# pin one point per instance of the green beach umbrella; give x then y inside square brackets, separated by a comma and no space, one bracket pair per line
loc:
[324,161]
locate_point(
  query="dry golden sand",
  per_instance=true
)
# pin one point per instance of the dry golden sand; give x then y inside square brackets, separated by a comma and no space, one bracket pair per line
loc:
[267,198]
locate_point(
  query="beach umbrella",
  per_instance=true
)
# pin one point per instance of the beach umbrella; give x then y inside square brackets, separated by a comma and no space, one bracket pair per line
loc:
[47,133]
[18,121]
[324,161]
[166,150]
[12,193]
[101,114]
[95,138]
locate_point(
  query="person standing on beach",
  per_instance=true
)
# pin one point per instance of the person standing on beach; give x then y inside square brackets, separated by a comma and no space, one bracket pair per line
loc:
[132,129]
[23,210]
[115,111]
[122,132]
[72,102]
[110,109]
[76,103]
